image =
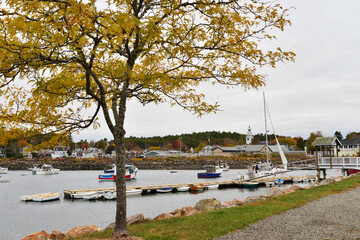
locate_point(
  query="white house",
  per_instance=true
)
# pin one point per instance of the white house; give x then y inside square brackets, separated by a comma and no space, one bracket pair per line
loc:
[349,147]
[59,152]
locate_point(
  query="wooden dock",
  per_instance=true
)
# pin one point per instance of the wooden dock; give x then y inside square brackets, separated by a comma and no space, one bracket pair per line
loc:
[222,184]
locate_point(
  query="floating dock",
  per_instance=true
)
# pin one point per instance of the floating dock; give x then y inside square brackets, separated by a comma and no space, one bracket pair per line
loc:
[222,184]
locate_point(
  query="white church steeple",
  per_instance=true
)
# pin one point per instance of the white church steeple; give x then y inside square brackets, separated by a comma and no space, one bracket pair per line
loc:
[249,136]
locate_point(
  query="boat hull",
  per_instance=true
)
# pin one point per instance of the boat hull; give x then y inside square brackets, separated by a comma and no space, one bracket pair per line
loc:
[208,175]
[353,171]
[164,190]
[250,185]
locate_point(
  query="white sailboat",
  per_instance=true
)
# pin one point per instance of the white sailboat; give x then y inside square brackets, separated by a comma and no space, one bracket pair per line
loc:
[265,169]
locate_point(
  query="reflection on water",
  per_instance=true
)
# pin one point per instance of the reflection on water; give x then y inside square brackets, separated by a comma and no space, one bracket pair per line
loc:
[64,214]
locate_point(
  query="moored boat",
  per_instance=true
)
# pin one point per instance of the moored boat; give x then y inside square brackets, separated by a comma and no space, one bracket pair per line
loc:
[110,195]
[269,184]
[250,184]
[197,187]
[183,189]
[133,192]
[45,169]
[224,166]
[279,181]
[93,195]
[3,170]
[109,173]
[164,190]
[212,187]
[211,172]
[354,170]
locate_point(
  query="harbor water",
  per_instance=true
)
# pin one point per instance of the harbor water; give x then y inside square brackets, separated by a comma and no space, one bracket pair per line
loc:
[18,219]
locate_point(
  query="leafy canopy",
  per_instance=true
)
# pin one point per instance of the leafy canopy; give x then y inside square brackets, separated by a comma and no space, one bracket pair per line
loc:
[71,55]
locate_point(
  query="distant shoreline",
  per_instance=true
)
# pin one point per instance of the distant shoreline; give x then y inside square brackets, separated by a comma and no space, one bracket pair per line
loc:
[157,163]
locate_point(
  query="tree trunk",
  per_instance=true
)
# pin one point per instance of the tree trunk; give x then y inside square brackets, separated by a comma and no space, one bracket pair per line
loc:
[120,231]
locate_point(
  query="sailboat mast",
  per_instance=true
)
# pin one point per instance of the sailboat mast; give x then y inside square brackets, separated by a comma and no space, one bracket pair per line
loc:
[266,131]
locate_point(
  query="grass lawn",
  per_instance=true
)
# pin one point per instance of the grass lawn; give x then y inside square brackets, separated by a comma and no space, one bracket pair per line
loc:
[221,222]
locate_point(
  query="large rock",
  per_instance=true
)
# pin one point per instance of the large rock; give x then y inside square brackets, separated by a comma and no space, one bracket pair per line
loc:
[188,211]
[232,203]
[326,181]
[57,235]
[208,204]
[251,199]
[288,190]
[38,235]
[163,216]
[275,191]
[81,230]
[296,187]
[135,219]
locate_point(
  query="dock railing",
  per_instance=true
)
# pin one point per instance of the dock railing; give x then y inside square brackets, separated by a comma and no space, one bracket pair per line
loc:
[339,162]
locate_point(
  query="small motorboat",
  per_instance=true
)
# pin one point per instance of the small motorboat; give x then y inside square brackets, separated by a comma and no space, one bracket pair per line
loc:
[224,166]
[197,187]
[45,169]
[109,173]
[211,172]
[183,189]
[279,181]
[164,190]
[110,195]
[43,197]
[133,192]
[3,170]
[212,187]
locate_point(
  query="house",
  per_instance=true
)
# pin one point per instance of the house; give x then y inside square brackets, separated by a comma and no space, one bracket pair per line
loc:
[93,153]
[349,147]
[77,153]
[207,150]
[59,152]
[2,152]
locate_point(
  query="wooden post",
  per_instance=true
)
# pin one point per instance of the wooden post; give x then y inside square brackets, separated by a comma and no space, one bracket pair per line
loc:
[317,165]
[330,157]
[324,173]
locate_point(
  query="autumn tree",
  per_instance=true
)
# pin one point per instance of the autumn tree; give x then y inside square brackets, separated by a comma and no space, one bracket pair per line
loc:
[60,58]
[313,135]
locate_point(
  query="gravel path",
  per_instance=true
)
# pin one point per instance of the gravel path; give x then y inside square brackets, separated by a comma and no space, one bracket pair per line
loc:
[336,216]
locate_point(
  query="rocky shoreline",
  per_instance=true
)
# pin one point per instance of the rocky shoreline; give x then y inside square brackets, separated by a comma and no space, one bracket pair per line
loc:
[146,164]
[200,207]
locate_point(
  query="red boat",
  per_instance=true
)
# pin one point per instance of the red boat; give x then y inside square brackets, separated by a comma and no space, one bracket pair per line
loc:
[110,173]
[353,170]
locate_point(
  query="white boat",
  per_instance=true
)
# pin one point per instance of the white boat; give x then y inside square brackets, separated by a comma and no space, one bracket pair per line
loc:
[133,192]
[42,197]
[45,169]
[83,195]
[3,170]
[164,190]
[183,189]
[110,195]
[265,169]
[224,166]
[93,195]
[212,187]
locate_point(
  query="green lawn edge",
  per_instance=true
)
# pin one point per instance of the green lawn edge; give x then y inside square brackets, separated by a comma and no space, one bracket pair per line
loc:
[209,225]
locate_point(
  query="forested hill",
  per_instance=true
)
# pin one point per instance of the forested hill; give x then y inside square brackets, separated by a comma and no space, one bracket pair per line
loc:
[187,140]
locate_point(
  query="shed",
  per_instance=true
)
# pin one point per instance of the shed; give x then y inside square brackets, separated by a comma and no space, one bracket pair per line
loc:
[327,145]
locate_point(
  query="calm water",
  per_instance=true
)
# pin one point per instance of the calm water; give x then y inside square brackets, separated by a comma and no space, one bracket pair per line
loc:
[18,219]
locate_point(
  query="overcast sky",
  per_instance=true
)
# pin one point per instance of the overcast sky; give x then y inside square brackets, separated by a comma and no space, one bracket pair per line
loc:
[319,92]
